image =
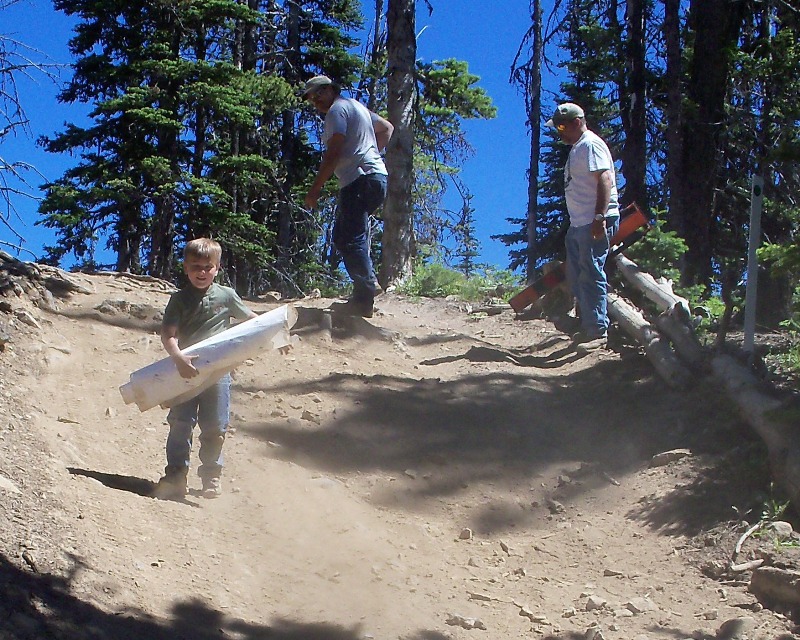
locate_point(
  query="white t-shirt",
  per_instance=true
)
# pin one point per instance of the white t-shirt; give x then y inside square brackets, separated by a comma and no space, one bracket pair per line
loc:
[587,156]
[360,155]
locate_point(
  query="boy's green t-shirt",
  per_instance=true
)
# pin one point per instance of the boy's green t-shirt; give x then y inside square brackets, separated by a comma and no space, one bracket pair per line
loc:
[202,314]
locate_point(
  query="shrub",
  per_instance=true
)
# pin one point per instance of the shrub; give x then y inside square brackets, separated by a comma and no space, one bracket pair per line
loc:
[436,280]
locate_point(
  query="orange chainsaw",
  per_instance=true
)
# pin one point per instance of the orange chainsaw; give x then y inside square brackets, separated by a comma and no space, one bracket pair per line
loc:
[630,224]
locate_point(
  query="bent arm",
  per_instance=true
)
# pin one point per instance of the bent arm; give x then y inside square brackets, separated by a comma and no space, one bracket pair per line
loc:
[604,183]
[169,338]
[383,130]
[333,151]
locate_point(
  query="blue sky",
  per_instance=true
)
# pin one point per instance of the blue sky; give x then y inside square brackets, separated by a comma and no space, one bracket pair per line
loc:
[486,39]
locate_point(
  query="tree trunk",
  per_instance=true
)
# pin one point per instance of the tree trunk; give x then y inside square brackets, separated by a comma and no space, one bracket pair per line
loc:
[716,24]
[289,143]
[398,212]
[774,301]
[129,244]
[674,115]
[165,205]
[634,154]
[163,238]
[534,93]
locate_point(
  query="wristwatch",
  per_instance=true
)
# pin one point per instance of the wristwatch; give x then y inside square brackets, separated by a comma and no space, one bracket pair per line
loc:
[599,216]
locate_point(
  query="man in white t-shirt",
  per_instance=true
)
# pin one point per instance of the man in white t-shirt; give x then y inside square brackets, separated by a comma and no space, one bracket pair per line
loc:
[590,187]
[354,138]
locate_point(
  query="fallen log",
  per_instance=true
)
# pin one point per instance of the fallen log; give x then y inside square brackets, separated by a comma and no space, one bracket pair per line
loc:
[53,279]
[675,321]
[657,350]
[769,416]
[762,411]
[659,293]
[135,277]
[676,324]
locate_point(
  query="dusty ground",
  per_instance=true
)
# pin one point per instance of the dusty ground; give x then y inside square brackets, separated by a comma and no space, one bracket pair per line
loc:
[356,472]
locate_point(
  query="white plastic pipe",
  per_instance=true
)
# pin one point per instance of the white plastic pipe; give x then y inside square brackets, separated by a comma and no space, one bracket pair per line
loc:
[161,384]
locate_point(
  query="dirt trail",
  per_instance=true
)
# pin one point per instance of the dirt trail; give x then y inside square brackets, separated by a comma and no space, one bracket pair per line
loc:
[354,472]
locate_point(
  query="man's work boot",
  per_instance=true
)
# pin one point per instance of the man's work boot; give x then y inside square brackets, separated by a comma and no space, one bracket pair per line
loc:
[172,486]
[362,308]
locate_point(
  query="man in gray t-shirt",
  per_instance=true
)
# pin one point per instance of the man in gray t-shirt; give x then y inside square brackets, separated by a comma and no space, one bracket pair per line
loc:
[354,138]
[590,187]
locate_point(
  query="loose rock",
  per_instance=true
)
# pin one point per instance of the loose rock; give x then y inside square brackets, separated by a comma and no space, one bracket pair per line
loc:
[456,620]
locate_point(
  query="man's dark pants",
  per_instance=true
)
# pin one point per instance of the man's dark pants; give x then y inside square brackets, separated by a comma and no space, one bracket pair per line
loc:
[357,201]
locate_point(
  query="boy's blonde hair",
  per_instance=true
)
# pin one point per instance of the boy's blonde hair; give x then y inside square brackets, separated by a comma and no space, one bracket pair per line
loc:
[204,248]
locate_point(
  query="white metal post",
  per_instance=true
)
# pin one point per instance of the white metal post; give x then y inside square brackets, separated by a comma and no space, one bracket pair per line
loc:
[756,198]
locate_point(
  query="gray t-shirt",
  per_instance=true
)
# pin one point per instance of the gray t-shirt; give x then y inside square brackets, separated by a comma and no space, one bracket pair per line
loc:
[360,155]
[201,314]
[587,156]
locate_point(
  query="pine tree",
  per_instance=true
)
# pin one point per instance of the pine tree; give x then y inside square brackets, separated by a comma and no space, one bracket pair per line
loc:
[136,185]
[196,130]
[468,246]
[526,72]
[760,139]
[448,95]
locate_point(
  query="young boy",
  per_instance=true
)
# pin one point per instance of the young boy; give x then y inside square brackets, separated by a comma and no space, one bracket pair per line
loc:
[196,312]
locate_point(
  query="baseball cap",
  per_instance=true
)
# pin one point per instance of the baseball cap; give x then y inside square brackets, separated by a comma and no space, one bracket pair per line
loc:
[316,83]
[564,113]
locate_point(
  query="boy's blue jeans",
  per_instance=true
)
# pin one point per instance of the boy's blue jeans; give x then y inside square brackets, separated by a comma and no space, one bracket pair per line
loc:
[211,411]
[586,260]
[357,201]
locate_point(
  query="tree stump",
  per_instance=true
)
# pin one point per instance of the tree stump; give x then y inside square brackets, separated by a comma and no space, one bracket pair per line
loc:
[331,323]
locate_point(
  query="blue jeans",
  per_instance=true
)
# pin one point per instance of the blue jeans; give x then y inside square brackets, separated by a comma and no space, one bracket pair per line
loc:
[211,410]
[586,260]
[357,201]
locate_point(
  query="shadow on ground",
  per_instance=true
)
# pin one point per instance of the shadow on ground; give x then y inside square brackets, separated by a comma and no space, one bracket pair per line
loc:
[139,486]
[35,606]
[507,428]
[558,358]
[132,484]
[728,488]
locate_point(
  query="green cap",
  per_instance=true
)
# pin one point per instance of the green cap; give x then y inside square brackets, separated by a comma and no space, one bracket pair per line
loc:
[315,83]
[564,113]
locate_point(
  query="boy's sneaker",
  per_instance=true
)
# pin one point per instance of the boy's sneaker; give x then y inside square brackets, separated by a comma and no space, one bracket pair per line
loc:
[171,487]
[212,488]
